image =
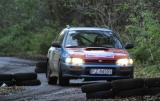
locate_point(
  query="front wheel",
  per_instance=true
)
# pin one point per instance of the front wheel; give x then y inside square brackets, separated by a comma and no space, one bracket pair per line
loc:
[62,80]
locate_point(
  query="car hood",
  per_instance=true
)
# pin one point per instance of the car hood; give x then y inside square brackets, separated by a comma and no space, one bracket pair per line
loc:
[98,53]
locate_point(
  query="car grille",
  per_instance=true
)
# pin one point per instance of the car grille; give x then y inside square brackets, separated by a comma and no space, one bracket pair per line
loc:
[101,61]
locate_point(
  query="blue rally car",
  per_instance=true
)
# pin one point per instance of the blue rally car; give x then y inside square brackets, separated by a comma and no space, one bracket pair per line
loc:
[88,52]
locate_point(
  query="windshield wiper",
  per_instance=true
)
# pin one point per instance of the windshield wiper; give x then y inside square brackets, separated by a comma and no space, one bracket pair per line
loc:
[107,46]
[103,46]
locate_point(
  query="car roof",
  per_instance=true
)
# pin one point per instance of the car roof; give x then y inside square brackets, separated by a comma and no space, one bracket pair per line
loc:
[89,28]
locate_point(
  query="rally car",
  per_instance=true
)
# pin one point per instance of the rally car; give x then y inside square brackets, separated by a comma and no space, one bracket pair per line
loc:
[90,53]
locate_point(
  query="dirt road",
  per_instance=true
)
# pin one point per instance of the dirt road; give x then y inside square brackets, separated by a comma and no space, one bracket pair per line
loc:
[44,92]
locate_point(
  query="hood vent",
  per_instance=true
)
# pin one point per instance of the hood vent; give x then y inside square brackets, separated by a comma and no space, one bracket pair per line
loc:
[96,48]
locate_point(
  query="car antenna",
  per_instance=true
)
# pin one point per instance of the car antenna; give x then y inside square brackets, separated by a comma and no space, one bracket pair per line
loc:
[68,26]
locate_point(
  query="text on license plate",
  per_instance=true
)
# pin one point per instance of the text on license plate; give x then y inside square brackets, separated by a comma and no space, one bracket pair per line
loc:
[101,71]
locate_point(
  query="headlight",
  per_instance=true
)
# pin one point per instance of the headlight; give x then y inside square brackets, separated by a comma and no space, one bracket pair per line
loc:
[124,62]
[74,61]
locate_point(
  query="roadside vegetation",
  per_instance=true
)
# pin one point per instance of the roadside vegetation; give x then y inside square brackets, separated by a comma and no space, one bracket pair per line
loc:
[27,27]
[10,90]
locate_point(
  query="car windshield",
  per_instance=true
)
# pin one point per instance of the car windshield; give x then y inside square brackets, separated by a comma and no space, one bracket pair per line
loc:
[81,38]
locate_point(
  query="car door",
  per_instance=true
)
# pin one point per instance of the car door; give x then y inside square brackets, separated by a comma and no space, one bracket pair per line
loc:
[57,53]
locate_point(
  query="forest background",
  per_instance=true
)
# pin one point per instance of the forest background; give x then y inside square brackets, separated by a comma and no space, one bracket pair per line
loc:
[27,27]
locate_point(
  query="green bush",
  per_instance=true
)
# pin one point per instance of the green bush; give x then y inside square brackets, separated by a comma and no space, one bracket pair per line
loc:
[146,39]
[32,43]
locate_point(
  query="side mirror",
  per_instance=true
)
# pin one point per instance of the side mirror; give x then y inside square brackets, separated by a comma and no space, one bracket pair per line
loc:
[129,46]
[55,44]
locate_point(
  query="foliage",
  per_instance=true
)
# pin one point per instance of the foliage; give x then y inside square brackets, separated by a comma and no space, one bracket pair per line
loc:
[24,28]
[29,26]
[146,71]
[146,38]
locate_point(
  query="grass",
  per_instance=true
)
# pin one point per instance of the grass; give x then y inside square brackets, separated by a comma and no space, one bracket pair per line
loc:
[147,71]
[9,90]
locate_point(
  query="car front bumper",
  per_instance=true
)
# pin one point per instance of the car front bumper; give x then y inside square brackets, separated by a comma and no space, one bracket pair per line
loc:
[83,71]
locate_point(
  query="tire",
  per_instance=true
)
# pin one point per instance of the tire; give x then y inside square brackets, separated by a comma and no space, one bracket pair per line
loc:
[41,64]
[6,77]
[100,95]
[152,82]
[41,67]
[127,84]
[132,92]
[51,80]
[40,70]
[28,83]
[25,76]
[95,87]
[153,91]
[8,83]
[61,80]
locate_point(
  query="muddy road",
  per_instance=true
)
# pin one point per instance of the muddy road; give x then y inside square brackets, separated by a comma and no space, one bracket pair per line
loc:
[43,92]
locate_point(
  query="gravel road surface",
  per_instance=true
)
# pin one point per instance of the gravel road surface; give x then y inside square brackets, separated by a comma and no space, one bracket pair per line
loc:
[44,92]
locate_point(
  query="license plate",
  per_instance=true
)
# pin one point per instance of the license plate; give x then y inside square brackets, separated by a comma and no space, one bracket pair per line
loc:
[101,71]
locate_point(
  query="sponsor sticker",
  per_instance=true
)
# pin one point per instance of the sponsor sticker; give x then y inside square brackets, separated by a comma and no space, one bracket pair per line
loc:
[100,54]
